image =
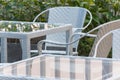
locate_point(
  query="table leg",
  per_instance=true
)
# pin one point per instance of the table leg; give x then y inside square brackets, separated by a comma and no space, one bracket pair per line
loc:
[25,44]
[69,47]
[3,50]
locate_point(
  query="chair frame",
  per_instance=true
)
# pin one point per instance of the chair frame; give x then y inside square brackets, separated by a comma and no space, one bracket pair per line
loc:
[76,29]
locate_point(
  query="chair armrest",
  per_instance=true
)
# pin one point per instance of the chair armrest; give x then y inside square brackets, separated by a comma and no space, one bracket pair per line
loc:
[87,23]
[40,43]
[40,14]
[89,20]
[89,35]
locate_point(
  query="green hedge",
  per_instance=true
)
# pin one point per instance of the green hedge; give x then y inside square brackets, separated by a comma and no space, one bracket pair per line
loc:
[20,10]
[25,10]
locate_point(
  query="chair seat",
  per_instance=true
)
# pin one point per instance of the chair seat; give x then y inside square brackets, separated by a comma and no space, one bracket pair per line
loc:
[53,52]
[50,52]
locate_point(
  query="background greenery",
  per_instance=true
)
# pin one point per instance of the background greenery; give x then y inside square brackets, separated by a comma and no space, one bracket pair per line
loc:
[25,10]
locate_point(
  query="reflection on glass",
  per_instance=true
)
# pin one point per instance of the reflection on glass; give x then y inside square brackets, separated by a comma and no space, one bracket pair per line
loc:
[19,26]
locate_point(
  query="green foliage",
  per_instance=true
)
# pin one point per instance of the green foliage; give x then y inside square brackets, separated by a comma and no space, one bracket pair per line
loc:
[25,10]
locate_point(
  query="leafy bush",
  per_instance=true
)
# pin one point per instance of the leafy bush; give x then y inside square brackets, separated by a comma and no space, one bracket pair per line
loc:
[20,10]
[25,10]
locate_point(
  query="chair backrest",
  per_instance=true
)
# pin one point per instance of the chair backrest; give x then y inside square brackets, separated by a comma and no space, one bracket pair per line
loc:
[106,44]
[67,15]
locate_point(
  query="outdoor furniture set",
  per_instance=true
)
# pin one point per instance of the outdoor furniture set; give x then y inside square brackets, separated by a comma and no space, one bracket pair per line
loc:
[58,60]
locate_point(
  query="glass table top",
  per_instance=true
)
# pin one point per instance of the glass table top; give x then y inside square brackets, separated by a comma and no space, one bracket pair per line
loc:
[20,26]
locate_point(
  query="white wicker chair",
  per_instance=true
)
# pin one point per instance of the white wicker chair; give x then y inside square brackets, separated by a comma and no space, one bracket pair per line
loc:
[65,15]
